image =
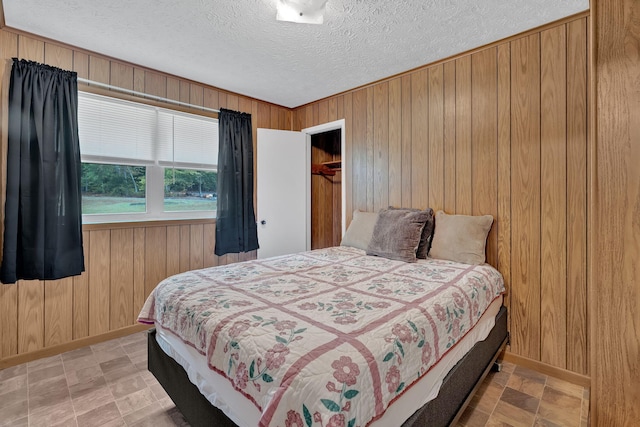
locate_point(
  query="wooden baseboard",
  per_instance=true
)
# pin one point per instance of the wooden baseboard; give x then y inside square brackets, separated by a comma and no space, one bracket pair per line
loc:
[543,368]
[73,345]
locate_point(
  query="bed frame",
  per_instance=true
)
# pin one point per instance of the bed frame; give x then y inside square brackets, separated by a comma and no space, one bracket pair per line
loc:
[457,389]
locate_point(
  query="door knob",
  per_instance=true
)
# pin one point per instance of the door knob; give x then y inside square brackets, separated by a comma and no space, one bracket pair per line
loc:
[263,222]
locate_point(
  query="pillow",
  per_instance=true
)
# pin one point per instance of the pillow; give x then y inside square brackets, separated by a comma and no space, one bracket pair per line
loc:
[427,232]
[460,238]
[427,235]
[360,230]
[397,233]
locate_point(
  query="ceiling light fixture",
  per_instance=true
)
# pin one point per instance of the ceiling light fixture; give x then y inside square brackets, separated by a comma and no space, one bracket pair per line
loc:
[301,11]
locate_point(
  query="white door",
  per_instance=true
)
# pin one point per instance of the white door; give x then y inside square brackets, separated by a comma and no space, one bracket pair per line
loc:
[283,185]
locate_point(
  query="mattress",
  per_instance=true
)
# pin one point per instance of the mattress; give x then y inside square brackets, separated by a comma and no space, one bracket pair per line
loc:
[220,392]
[331,336]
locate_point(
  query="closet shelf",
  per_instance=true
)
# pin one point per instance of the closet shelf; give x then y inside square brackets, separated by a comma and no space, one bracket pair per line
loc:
[335,165]
[326,168]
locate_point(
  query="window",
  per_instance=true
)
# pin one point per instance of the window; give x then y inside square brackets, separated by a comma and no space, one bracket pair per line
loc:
[141,162]
[190,190]
[113,189]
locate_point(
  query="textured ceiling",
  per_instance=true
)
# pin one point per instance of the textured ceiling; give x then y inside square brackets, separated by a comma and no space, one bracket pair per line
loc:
[239,46]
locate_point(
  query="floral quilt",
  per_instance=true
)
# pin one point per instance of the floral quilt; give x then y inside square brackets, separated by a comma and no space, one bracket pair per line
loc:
[327,337]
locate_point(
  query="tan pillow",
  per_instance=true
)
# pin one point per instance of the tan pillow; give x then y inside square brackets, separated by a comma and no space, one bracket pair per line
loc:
[460,238]
[397,234]
[360,230]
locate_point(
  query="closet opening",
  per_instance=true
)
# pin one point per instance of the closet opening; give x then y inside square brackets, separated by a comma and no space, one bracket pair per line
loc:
[326,189]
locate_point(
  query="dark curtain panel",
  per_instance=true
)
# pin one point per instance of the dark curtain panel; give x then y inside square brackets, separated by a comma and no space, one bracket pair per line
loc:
[236,229]
[43,217]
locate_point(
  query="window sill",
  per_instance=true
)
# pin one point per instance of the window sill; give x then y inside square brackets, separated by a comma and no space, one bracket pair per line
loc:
[145,223]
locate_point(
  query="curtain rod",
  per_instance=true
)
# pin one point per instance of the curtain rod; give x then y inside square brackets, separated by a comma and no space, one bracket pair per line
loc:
[145,95]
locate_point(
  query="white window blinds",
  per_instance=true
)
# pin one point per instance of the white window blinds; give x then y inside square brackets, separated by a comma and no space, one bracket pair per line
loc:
[184,140]
[113,130]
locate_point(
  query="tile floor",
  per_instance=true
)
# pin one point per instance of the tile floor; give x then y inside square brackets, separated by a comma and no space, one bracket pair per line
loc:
[518,396]
[108,384]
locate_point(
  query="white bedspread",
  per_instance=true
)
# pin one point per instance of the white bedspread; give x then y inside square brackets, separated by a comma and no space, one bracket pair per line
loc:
[328,337]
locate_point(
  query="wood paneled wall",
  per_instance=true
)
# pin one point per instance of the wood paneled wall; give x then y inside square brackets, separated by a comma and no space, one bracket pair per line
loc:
[123,262]
[500,131]
[615,248]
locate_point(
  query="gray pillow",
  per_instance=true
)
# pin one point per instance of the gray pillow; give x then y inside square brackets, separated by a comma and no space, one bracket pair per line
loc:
[397,234]
[427,232]
[460,238]
[360,230]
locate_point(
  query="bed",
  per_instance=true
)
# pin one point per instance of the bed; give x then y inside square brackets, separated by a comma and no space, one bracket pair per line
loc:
[331,337]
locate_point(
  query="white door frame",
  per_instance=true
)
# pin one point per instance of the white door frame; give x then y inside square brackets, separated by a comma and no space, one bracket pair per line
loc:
[338,124]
